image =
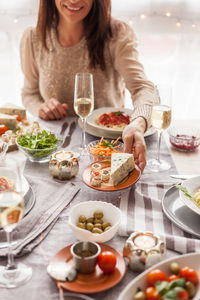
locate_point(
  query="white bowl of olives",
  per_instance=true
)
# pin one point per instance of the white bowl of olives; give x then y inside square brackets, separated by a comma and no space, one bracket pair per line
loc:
[94,221]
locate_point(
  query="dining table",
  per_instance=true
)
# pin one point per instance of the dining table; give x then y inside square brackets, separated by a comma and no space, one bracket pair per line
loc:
[140,204]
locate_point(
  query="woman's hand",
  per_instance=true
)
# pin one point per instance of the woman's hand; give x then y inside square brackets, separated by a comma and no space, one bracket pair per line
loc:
[133,137]
[52,109]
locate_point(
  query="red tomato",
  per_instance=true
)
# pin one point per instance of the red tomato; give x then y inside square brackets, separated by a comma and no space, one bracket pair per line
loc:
[173,277]
[154,276]
[18,118]
[3,129]
[107,261]
[183,295]
[152,294]
[189,274]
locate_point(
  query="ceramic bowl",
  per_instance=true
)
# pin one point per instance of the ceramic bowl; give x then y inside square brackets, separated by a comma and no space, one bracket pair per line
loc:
[111,213]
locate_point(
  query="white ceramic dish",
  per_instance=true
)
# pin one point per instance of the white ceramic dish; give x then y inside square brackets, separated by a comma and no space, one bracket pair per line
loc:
[5,172]
[191,185]
[191,260]
[99,132]
[111,213]
[91,120]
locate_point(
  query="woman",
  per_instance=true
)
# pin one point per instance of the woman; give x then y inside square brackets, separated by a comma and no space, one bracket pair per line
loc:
[74,36]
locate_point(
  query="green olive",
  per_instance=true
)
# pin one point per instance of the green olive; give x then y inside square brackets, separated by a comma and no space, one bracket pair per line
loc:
[97,230]
[140,296]
[106,224]
[90,220]
[98,214]
[82,219]
[89,226]
[190,287]
[174,268]
[81,225]
[98,225]
[107,228]
[98,221]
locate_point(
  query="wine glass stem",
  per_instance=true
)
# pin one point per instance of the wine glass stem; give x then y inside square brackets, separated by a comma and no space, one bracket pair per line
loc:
[83,133]
[10,264]
[159,142]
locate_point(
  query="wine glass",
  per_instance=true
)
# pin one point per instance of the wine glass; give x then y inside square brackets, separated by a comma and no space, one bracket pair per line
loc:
[161,120]
[83,101]
[11,212]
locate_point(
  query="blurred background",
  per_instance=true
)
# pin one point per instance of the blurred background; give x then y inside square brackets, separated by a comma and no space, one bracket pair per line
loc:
[168,33]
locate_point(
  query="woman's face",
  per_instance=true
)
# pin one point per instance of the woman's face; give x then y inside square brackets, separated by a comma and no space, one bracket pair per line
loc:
[73,11]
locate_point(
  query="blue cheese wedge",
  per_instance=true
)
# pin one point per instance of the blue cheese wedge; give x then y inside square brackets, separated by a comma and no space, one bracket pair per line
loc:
[121,165]
[12,109]
[9,121]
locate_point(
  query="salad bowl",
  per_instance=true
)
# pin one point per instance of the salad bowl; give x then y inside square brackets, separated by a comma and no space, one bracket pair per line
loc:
[39,147]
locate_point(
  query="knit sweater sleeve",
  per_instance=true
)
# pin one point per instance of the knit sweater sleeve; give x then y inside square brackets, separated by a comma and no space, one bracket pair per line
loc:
[31,97]
[124,53]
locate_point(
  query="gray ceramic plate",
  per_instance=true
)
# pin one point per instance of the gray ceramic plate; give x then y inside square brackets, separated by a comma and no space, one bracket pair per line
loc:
[179,213]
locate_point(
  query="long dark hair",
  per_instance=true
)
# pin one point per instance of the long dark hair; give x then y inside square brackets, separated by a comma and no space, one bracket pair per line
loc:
[97,27]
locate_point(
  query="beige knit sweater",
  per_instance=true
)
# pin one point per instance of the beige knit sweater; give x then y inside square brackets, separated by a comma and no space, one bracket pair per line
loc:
[51,74]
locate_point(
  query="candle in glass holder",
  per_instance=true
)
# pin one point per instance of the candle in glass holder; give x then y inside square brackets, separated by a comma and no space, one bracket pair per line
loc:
[142,250]
[64,164]
[145,241]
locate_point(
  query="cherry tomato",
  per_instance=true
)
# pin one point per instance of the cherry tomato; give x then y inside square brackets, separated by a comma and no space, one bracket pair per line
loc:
[152,294]
[183,295]
[18,118]
[3,129]
[154,276]
[107,261]
[189,274]
[173,277]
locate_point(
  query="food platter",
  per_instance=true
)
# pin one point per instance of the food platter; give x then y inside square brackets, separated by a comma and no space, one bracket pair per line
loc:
[179,213]
[192,260]
[94,129]
[94,282]
[132,178]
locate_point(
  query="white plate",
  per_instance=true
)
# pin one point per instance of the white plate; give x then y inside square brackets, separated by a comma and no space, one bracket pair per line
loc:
[94,129]
[191,260]
[91,120]
[191,185]
[5,172]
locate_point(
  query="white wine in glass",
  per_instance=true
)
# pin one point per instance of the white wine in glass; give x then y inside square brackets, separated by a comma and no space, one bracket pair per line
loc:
[83,101]
[11,212]
[161,120]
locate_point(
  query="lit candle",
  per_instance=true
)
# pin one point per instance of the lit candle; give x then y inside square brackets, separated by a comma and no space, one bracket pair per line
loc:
[144,241]
[63,155]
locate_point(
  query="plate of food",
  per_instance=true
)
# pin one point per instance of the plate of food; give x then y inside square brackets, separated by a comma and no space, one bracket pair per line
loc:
[117,173]
[9,181]
[174,278]
[189,192]
[96,281]
[110,122]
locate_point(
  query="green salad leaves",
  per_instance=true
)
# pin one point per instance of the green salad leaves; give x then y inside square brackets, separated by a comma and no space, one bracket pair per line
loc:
[44,141]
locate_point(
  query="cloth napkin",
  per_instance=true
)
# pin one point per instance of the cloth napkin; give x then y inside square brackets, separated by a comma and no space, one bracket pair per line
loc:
[52,198]
[142,211]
